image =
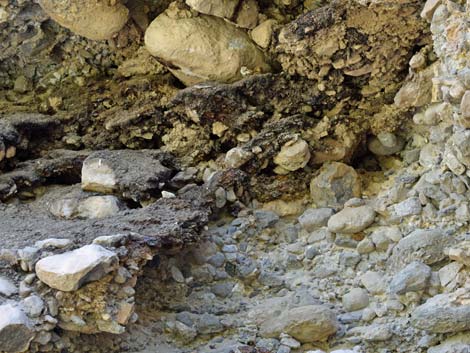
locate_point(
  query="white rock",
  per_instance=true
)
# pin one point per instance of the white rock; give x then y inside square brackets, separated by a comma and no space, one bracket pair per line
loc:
[71,270]
[236,157]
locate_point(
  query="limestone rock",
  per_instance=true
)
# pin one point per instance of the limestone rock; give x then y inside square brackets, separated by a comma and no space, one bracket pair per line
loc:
[89,18]
[425,245]
[293,155]
[335,184]
[442,313]
[15,329]
[465,110]
[414,277]
[218,8]
[71,270]
[203,48]
[306,324]
[351,220]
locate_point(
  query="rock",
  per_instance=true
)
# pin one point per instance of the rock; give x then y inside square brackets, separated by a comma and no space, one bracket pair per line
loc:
[408,207]
[460,252]
[15,329]
[335,184]
[442,313]
[71,270]
[374,282]
[455,344]
[365,246]
[355,299]
[247,16]
[417,91]
[202,48]
[351,220]
[33,306]
[314,218]
[236,157]
[414,277]
[425,245]
[309,323]
[381,146]
[88,18]
[136,175]
[218,8]
[372,333]
[53,243]
[465,110]
[262,33]
[428,10]
[448,273]
[7,288]
[294,155]
[99,207]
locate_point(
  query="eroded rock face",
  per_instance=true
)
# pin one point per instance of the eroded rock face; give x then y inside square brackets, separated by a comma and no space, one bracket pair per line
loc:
[71,270]
[92,19]
[202,48]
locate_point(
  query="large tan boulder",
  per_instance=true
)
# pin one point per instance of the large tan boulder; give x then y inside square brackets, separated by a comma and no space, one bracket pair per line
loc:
[202,48]
[93,19]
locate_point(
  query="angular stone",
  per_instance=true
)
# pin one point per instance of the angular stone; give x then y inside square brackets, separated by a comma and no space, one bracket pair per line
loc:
[414,277]
[449,272]
[15,329]
[351,220]
[442,313]
[71,270]
[309,323]
[314,218]
[262,34]
[202,48]
[425,245]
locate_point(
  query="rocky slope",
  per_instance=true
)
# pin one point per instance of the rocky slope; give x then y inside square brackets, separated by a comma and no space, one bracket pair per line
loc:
[234,176]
